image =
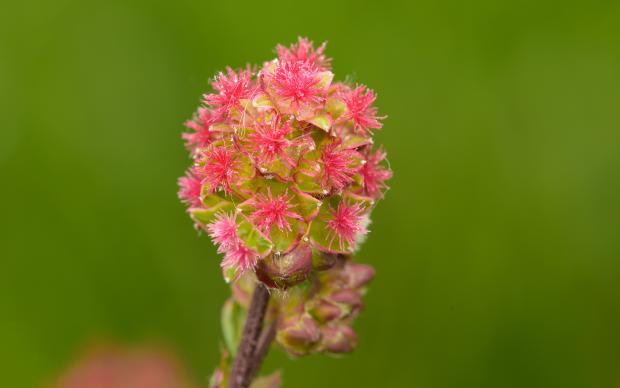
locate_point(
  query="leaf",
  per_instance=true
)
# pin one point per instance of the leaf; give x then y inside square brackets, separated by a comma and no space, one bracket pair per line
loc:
[233,318]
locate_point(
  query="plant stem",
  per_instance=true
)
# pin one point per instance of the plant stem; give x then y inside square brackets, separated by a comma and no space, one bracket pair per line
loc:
[244,367]
[262,347]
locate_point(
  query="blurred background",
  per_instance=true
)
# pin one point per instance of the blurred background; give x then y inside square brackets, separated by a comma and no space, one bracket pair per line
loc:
[497,250]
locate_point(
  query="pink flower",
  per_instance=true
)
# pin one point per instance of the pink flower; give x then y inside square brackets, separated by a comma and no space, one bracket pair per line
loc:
[189,190]
[360,109]
[219,169]
[269,141]
[201,136]
[346,224]
[231,88]
[240,257]
[336,161]
[272,211]
[297,81]
[237,255]
[304,51]
[223,231]
[374,175]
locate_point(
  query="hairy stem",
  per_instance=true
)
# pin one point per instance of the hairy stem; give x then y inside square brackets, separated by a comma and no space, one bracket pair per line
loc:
[262,347]
[244,366]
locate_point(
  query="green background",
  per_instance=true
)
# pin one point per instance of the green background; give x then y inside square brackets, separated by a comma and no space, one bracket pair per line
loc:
[497,249]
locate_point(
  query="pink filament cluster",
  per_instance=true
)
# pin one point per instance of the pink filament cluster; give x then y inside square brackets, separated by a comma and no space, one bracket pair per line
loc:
[223,231]
[270,146]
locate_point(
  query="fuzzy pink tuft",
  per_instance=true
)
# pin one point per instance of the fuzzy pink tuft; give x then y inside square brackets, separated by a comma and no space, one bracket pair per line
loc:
[346,223]
[240,257]
[231,88]
[223,231]
[219,169]
[189,190]
[269,141]
[360,109]
[304,51]
[297,82]
[337,170]
[237,255]
[201,124]
[272,211]
[374,175]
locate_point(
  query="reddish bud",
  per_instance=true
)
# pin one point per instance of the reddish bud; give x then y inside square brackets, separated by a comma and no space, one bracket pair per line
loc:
[338,339]
[325,311]
[286,270]
[359,274]
[298,335]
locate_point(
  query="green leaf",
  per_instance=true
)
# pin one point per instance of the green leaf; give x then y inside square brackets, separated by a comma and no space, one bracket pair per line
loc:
[233,318]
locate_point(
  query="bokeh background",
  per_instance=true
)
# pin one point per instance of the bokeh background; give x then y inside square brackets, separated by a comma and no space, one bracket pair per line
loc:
[497,250]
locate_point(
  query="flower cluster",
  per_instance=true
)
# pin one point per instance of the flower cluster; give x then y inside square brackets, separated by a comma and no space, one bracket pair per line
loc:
[284,170]
[319,319]
[283,180]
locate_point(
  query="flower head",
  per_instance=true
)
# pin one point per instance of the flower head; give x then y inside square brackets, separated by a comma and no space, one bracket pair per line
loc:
[347,223]
[360,109]
[189,190]
[240,257]
[304,51]
[232,87]
[297,82]
[272,211]
[269,140]
[268,150]
[337,165]
[218,169]
[200,124]
[374,175]
[223,231]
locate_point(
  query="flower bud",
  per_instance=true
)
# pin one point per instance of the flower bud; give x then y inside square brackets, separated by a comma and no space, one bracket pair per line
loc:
[322,261]
[348,297]
[299,335]
[358,274]
[325,311]
[338,339]
[286,270]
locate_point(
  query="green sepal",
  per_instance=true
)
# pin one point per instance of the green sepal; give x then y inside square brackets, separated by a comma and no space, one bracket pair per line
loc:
[307,205]
[204,216]
[335,107]
[252,237]
[284,241]
[323,120]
